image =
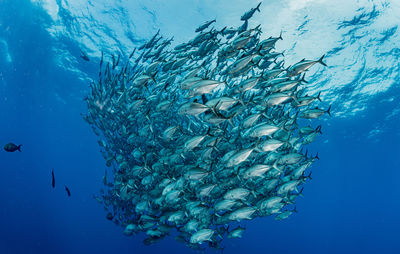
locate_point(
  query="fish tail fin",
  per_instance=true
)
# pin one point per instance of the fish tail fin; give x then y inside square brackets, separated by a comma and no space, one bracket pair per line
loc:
[223,30]
[305,81]
[214,108]
[275,166]
[19,148]
[301,192]
[295,210]
[321,62]
[231,122]
[319,96]
[250,99]
[258,150]
[329,110]
[288,69]
[280,36]
[295,99]
[316,157]
[309,175]
[241,101]
[258,29]
[258,7]
[318,129]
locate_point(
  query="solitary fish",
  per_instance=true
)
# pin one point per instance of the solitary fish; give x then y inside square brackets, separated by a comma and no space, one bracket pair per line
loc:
[53,179]
[68,191]
[84,56]
[10,147]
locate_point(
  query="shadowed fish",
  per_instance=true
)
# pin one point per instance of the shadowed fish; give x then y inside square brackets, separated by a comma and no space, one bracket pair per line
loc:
[53,179]
[68,191]
[205,25]
[84,56]
[250,13]
[10,147]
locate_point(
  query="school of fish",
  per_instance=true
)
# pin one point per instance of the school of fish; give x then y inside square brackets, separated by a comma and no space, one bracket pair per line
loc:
[203,136]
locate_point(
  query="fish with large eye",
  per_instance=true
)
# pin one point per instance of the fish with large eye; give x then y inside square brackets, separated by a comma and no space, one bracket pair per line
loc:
[11,147]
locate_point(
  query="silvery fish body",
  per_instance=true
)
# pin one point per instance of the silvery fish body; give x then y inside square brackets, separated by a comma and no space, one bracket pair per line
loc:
[239,157]
[288,187]
[236,233]
[225,205]
[202,236]
[270,145]
[250,13]
[291,158]
[237,194]
[203,135]
[276,99]
[262,129]
[192,108]
[193,142]
[192,226]
[314,113]
[257,170]
[270,203]
[302,66]
[284,215]
[244,213]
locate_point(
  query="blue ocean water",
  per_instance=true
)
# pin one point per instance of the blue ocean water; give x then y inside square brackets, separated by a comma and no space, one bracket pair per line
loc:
[350,206]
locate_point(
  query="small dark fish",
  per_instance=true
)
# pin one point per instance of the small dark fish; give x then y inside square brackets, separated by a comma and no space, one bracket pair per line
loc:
[10,147]
[105,178]
[53,179]
[109,216]
[68,191]
[84,56]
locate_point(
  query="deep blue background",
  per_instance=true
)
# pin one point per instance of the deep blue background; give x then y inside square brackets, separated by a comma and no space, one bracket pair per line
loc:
[351,206]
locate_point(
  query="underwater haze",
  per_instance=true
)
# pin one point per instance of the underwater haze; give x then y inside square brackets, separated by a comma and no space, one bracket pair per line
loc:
[351,203]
